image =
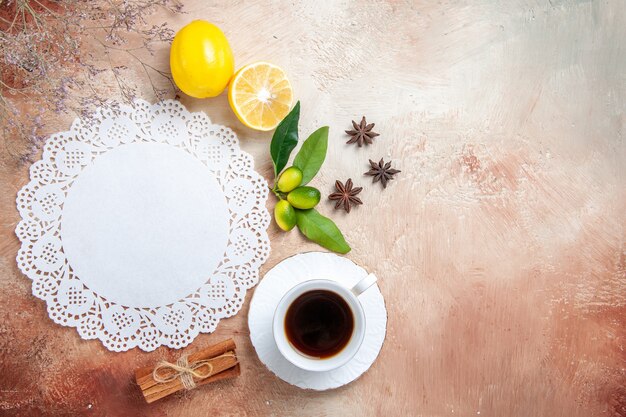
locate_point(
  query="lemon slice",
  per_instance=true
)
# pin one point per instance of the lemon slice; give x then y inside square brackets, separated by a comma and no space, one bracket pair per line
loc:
[260,95]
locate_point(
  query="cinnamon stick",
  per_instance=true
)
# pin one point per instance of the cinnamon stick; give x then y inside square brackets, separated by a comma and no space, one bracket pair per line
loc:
[224,367]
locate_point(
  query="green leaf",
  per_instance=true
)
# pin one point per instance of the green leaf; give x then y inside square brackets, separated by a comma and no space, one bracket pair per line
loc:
[321,230]
[285,139]
[311,155]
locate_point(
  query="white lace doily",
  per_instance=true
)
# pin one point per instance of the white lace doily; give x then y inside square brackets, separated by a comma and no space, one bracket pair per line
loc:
[143,226]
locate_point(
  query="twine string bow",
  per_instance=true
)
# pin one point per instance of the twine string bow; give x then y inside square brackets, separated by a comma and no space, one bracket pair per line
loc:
[187,372]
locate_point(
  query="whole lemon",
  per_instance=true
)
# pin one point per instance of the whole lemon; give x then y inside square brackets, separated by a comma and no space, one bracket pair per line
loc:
[201,61]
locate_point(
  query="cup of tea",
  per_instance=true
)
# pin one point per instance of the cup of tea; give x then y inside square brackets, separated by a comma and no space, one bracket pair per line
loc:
[319,324]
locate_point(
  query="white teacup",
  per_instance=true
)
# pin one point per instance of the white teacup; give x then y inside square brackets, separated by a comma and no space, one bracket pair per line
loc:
[350,295]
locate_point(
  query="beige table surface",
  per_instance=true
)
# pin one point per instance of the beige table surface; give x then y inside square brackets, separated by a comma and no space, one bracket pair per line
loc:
[499,248]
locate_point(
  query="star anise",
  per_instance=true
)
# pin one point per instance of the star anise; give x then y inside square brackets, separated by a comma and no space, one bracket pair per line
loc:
[362,133]
[346,195]
[382,172]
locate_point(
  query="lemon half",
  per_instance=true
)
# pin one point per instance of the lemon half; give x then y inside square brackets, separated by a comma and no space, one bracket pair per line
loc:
[260,95]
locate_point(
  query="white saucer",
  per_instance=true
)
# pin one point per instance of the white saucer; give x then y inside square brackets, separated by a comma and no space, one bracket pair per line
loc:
[301,268]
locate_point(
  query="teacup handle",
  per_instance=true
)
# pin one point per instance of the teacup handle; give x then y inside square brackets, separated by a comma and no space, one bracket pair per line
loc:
[364,284]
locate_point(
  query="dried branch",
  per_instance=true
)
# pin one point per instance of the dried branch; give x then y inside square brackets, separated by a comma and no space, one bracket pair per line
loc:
[46,67]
